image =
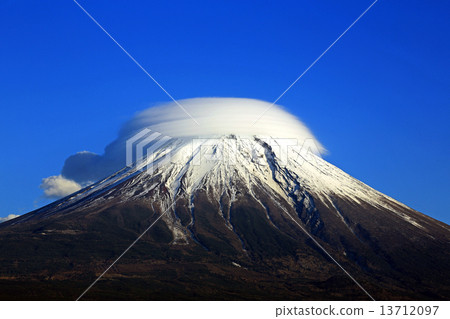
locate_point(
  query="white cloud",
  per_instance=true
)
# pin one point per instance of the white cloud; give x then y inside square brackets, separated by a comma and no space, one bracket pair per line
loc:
[220,116]
[10,216]
[58,186]
[216,116]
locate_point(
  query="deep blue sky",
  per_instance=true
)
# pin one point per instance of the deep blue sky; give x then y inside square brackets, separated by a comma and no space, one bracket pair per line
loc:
[378,101]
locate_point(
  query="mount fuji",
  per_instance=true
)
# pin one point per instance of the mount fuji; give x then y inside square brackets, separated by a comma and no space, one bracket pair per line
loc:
[236,213]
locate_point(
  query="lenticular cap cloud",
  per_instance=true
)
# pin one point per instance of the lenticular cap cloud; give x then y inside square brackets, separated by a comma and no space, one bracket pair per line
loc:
[215,117]
[220,116]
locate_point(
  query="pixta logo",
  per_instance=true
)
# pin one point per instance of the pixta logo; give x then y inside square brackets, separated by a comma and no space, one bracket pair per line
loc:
[144,150]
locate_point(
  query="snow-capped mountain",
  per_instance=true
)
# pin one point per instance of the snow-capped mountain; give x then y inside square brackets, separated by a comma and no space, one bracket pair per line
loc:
[242,217]
[223,210]
[232,167]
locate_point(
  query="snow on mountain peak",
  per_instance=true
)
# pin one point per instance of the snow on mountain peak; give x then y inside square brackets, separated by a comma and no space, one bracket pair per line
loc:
[216,117]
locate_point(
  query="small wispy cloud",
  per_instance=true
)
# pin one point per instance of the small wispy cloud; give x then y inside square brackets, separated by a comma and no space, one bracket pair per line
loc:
[58,186]
[9,217]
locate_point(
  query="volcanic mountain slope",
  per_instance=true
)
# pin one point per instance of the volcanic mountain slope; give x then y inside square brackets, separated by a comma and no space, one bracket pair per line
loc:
[244,222]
